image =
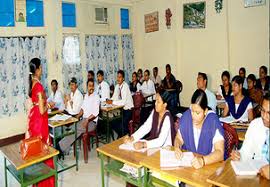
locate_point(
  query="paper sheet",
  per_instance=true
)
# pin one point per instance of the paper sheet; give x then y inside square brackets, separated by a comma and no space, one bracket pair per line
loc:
[130,147]
[249,167]
[228,119]
[58,117]
[168,159]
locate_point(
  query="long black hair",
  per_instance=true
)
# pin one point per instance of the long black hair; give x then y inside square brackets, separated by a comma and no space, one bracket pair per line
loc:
[33,66]
[199,97]
[166,98]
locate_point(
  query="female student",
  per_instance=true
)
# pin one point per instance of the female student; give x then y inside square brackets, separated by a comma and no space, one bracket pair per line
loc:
[38,115]
[200,132]
[238,105]
[225,89]
[159,125]
[263,82]
[135,85]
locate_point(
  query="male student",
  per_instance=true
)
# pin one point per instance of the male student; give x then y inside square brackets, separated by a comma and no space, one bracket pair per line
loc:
[89,111]
[202,84]
[122,97]
[73,101]
[156,77]
[148,86]
[91,75]
[169,80]
[56,96]
[103,89]
[256,143]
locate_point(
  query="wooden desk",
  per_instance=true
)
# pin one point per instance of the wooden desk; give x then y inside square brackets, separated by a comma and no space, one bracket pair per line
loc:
[31,171]
[120,157]
[228,178]
[187,175]
[107,110]
[54,125]
[54,112]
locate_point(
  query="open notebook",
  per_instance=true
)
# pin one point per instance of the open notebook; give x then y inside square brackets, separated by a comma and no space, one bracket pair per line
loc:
[61,117]
[130,147]
[168,159]
[249,167]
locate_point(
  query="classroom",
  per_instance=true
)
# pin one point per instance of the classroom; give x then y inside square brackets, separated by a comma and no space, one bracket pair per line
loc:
[146,93]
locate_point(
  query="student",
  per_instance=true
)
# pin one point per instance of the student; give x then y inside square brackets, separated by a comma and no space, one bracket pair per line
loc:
[159,124]
[103,87]
[122,97]
[140,76]
[148,86]
[242,73]
[134,85]
[256,95]
[263,82]
[89,111]
[169,80]
[156,78]
[73,101]
[256,143]
[200,131]
[38,116]
[56,96]
[202,81]
[225,89]
[238,105]
[91,75]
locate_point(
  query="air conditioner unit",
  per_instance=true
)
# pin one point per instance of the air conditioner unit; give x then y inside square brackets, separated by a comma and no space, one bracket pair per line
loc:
[101,15]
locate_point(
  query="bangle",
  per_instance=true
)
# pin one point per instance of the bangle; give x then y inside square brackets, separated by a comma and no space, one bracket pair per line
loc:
[49,106]
[203,161]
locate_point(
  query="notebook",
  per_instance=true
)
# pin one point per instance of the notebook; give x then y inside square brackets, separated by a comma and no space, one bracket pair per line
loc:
[168,159]
[130,147]
[58,117]
[249,167]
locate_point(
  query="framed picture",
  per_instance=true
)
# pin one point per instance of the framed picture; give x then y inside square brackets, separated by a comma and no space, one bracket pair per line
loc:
[151,22]
[194,15]
[20,10]
[251,3]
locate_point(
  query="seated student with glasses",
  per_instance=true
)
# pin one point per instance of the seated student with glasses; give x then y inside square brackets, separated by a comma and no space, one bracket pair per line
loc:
[256,143]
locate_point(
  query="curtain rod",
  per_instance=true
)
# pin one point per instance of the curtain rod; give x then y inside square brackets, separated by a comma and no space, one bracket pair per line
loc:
[21,36]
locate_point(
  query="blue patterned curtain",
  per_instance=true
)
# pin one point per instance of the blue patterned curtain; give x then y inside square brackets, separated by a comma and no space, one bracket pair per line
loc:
[15,54]
[102,54]
[72,66]
[128,56]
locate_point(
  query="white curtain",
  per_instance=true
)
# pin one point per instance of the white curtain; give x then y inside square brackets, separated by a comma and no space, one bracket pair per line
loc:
[102,54]
[128,56]
[15,54]
[72,66]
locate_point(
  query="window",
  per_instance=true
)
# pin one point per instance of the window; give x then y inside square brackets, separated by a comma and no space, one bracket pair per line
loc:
[124,18]
[34,13]
[68,15]
[7,13]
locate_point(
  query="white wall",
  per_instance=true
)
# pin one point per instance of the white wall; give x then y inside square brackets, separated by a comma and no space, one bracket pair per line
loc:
[236,37]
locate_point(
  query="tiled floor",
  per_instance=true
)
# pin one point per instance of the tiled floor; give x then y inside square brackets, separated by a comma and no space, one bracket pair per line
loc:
[87,176]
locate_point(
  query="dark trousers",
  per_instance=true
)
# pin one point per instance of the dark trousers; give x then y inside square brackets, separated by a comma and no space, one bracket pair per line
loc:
[117,126]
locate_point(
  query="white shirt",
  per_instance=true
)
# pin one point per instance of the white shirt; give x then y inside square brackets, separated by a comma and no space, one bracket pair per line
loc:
[103,90]
[254,140]
[57,98]
[148,87]
[197,133]
[245,84]
[211,99]
[244,116]
[77,99]
[122,96]
[156,80]
[164,138]
[90,106]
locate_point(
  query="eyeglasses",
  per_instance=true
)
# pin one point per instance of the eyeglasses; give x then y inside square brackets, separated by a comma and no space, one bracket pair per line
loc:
[264,111]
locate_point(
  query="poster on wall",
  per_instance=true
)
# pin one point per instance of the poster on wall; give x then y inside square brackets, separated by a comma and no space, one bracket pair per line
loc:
[151,22]
[194,15]
[20,10]
[251,3]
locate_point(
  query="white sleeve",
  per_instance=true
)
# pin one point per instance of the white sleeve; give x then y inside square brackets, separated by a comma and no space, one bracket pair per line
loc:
[144,129]
[105,92]
[115,93]
[138,86]
[59,101]
[212,103]
[95,106]
[249,106]
[77,104]
[152,88]
[220,92]
[165,130]
[50,99]
[247,148]
[218,137]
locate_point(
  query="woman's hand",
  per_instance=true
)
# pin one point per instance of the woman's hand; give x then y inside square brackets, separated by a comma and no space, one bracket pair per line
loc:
[265,171]
[178,153]
[139,145]
[235,155]
[197,162]
[128,139]
[109,102]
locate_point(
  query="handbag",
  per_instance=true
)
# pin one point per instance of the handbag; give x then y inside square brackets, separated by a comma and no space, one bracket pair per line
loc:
[33,147]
